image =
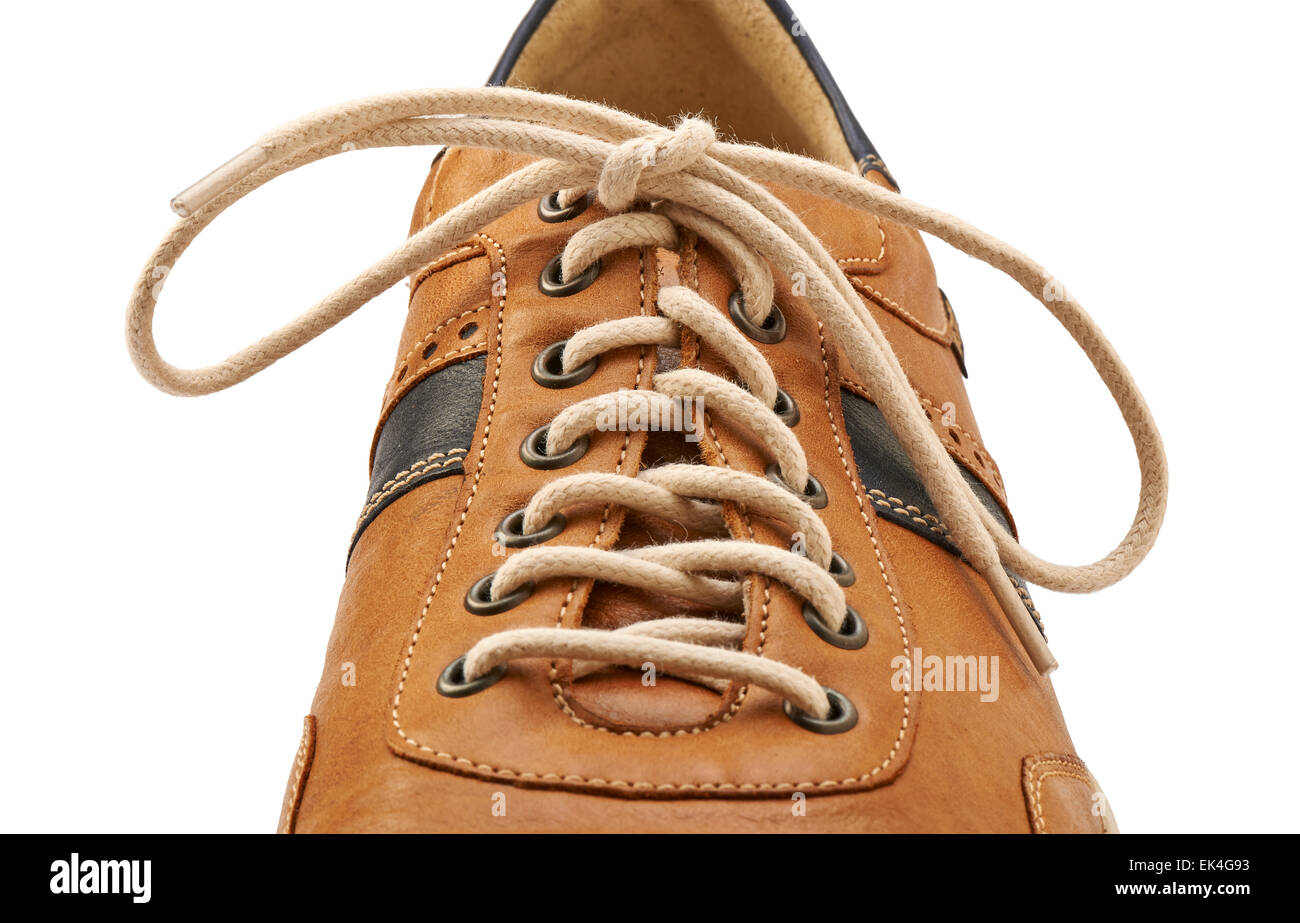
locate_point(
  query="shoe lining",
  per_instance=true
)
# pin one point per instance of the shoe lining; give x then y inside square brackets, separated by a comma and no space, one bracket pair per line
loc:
[731,61]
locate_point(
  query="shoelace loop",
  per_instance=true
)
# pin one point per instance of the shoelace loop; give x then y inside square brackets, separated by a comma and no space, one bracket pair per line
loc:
[714,188]
[657,154]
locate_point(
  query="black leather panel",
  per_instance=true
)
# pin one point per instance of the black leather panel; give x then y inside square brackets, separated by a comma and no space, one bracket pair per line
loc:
[515,47]
[864,152]
[426,437]
[893,486]
[887,473]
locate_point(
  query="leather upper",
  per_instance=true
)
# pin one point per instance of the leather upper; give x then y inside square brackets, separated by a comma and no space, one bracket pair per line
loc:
[606,752]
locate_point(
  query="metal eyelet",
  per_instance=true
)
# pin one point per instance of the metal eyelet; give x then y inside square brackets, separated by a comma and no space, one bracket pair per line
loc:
[452,682]
[841,570]
[553,283]
[773,328]
[547,369]
[479,601]
[786,408]
[511,532]
[853,632]
[843,716]
[551,211]
[533,451]
[813,494]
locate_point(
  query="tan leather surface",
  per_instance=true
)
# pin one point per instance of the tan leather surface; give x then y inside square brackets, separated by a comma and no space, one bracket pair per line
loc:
[964,774]
[296,786]
[602,754]
[1062,796]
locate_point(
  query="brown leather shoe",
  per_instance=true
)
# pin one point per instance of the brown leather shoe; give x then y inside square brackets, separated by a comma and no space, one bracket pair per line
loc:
[581,593]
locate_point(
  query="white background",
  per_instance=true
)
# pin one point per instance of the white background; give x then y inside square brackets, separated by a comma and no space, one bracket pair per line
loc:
[171,566]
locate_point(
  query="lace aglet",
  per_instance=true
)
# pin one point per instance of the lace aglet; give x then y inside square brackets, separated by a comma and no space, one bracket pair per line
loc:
[222,178]
[1040,654]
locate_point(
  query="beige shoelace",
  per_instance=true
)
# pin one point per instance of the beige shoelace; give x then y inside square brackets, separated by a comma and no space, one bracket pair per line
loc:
[683,178]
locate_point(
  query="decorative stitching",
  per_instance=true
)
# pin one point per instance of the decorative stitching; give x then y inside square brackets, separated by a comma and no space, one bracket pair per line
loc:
[933,408]
[871,162]
[907,511]
[978,453]
[469,351]
[302,760]
[1070,767]
[708,724]
[929,521]
[978,457]
[880,229]
[430,365]
[689,270]
[893,307]
[1029,605]
[557,689]
[875,545]
[423,372]
[503,773]
[447,260]
[402,474]
[402,478]
[392,379]
[460,525]
[1040,820]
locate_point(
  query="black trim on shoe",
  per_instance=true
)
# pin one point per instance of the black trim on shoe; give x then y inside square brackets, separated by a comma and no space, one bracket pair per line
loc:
[864,152]
[894,488]
[426,436]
